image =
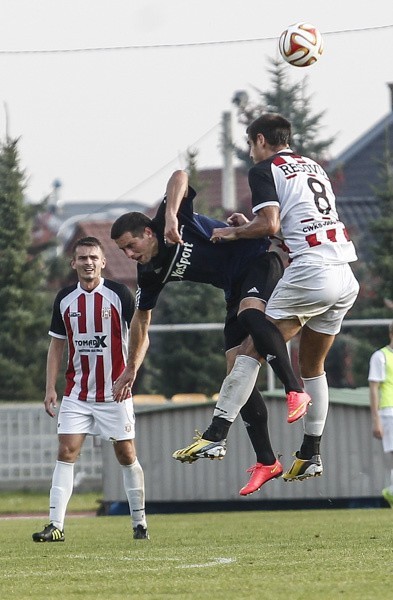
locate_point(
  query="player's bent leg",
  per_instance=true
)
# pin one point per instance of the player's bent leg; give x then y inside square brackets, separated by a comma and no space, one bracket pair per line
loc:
[255,417]
[270,343]
[237,387]
[234,393]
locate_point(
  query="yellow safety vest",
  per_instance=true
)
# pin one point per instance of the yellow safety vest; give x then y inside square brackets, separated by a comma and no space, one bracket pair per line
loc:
[386,387]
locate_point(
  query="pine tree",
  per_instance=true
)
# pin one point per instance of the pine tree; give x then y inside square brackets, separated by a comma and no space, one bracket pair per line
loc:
[382,261]
[24,307]
[291,101]
[192,361]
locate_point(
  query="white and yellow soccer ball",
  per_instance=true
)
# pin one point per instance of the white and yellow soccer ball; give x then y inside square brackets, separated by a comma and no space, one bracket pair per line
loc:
[301,44]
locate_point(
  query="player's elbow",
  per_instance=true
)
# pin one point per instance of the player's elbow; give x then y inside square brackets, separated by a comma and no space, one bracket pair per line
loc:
[273,228]
[180,177]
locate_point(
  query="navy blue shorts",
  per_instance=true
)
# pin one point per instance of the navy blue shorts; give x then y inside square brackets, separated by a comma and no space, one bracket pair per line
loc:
[258,282]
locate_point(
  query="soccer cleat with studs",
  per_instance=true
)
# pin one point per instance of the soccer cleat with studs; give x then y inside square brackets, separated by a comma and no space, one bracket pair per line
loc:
[140,533]
[304,468]
[297,405]
[50,533]
[201,448]
[260,474]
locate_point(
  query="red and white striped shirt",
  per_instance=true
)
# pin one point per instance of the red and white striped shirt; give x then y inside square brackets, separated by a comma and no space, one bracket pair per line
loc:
[96,327]
[301,189]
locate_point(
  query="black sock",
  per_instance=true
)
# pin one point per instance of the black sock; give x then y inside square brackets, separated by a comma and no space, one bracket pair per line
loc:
[255,417]
[309,447]
[268,340]
[217,430]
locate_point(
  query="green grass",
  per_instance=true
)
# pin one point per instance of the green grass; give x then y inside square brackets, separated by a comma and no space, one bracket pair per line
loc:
[38,502]
[288,555]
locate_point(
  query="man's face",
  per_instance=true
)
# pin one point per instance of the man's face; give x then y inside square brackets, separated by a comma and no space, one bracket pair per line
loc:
[259,150]
[142,248]
[88,262]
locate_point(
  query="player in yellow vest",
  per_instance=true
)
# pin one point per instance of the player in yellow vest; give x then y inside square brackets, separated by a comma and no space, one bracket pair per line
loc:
[380,380]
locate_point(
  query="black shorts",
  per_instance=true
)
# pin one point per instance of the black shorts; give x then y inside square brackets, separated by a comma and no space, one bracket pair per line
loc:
[259,281]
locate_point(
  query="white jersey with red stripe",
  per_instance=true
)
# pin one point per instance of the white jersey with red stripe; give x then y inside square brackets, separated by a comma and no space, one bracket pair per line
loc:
[96,327]
[302,191]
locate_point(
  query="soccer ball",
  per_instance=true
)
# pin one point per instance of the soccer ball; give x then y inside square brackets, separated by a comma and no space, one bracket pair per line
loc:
[301,44]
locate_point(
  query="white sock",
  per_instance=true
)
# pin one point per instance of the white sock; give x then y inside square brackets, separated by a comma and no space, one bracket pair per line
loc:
[60,492]
[237,387]
[315,419]
[134,485]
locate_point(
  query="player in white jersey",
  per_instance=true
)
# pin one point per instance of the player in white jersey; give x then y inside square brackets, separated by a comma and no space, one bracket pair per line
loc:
[93,317]
[318,287]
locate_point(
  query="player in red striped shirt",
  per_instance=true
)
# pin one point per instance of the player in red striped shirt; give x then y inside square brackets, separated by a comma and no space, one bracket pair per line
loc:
[92,317]
[293,192]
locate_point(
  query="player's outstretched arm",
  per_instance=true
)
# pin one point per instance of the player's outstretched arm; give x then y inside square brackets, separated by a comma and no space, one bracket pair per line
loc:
[266,222]
[139,343]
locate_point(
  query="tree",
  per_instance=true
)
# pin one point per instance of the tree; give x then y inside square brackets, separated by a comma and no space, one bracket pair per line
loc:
[189,361]
[376,276]
[290,100]
[24,305]
[382,257]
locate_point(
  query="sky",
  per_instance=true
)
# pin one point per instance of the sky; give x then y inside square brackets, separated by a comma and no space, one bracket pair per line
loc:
[112,123]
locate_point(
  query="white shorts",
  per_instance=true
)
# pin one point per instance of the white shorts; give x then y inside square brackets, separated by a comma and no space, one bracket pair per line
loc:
[317,294]
[386,416]
[110,420]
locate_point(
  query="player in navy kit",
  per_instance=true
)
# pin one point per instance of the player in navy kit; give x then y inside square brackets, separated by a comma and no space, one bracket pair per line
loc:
[176,246]
[318,286]
[93,318]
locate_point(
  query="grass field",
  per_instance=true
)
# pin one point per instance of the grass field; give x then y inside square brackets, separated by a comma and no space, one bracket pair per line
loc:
[35,502]
[291,555]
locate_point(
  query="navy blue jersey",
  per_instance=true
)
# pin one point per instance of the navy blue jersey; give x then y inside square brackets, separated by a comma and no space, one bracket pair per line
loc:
[222,264]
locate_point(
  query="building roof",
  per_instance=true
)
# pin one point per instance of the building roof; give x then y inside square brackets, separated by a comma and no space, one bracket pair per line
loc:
[358,170]
[211,182]
[356,175]
[358,213]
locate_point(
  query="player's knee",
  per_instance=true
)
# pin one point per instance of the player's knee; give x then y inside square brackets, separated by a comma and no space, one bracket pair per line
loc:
[125,452]
[251,319]
[311,365]
[68,453]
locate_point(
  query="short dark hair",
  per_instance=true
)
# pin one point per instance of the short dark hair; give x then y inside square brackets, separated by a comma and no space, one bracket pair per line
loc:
[133,222]
[87,241]
[274,127]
